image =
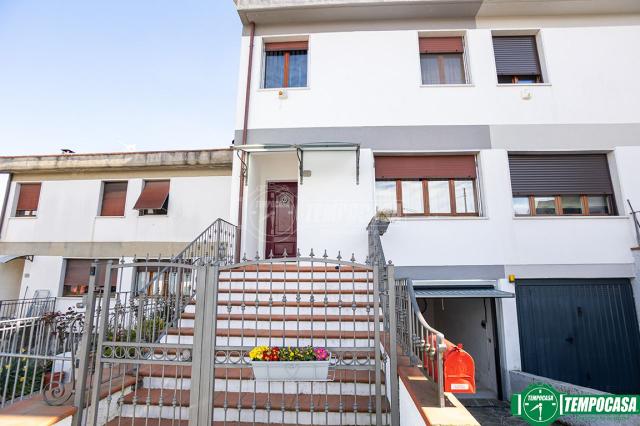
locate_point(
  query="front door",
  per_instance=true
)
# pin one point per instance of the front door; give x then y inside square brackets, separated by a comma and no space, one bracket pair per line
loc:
[282,199]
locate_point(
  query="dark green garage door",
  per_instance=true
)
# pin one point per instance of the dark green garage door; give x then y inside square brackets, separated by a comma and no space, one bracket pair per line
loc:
[583,332]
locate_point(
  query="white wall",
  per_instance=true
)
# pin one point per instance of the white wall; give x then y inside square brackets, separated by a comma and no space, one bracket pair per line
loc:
[333,210]
[10,279]
[68,211]
[372,78]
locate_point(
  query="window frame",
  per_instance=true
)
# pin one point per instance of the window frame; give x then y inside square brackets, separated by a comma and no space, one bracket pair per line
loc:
[102,192]
[285,71]
[164,210]
[19,212]
[541,78]
[425,198]
[99,283]
[584,200]
[466,71]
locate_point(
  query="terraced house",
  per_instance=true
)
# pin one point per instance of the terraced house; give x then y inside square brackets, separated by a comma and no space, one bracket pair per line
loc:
[406,176]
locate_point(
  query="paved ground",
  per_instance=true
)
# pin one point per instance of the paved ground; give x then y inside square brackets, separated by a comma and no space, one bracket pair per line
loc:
[491,412]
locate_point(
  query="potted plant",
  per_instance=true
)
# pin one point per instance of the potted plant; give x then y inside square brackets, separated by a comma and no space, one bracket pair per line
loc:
[382,221]
[55,378]
[289,364]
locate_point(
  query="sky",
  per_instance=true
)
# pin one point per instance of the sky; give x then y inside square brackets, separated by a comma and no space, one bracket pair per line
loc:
[117,75]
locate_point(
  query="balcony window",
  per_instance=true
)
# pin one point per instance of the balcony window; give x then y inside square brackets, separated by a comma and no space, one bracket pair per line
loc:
[412,197]
[28,199]
[285,64]
[561,184]
[517,60]
[465,196]
[442,60]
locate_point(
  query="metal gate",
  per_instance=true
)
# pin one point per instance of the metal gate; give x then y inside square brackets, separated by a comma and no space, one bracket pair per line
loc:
[580,331]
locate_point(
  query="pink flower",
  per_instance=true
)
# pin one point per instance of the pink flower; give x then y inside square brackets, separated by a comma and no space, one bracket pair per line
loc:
[321,354]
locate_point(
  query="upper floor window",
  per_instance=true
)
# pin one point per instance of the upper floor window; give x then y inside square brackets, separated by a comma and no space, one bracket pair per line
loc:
[28,199]
[561,185]
[442,60]
[154,198]
[114,196]
[517,60]
[78,272]
[426,185]
[285,64]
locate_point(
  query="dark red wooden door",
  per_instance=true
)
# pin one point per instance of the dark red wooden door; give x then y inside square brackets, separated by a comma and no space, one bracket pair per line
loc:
[282,199]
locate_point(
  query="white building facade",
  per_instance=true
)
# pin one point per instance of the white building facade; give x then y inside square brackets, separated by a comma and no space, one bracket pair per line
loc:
[496,137]
[87,207]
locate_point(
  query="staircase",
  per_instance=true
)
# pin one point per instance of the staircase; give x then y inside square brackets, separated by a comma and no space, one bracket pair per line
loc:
[294,302]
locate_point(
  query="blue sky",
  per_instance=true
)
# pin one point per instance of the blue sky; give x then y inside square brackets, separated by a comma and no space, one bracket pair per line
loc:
[117,75]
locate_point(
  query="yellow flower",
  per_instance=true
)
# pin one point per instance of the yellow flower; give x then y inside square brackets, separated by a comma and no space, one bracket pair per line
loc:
[21,379]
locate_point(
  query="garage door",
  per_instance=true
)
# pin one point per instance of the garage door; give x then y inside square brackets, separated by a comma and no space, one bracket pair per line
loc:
[583,332]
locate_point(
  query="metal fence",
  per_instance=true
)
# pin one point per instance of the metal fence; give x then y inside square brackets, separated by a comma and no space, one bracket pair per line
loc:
[423,344]
[37,355]
[26,308]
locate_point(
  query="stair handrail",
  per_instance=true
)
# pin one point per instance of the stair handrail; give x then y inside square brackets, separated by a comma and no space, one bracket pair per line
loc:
[216,244]
[423,344]
[636,222]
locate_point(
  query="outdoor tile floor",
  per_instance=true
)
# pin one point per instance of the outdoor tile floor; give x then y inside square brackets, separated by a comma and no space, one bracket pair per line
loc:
[491,412]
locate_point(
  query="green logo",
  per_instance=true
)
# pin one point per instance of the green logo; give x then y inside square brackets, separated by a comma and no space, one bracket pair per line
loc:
[541,404]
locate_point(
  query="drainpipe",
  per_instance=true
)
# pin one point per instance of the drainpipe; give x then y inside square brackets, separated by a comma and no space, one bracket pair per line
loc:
[5,204]
[247,98]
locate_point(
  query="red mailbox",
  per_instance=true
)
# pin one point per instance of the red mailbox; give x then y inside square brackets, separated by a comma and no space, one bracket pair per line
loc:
[459,370]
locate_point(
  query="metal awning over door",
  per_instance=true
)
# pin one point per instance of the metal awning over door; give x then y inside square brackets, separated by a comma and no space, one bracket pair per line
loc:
[299,149]
[458,289]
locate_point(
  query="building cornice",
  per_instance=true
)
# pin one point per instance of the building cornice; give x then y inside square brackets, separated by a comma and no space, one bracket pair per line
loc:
[118,161]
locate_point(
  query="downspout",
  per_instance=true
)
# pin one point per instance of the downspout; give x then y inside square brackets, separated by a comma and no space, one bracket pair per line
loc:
[247,98]
[5,203]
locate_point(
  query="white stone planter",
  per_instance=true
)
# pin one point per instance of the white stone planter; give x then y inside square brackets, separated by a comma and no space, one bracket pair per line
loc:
[291,371]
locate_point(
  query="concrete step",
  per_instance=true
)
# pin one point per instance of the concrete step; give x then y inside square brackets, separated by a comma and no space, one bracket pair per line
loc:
[289,322]
[358,382]
[269,408]
[291,307]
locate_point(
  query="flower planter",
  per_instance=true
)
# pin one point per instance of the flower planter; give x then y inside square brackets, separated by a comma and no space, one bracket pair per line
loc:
[291,371]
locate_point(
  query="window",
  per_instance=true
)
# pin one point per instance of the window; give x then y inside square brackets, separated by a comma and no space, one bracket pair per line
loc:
[114,196]
[563,184]
[154,198]
[386,200]
[28,199]
[426,185]
[442,60]
[77,273]
[285,64]
[517,60]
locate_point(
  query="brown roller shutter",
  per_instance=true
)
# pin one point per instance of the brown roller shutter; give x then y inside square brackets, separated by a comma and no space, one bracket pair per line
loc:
[560,174]
[441,45]
[114,195]
[286,46]
[516,55]
[29,196]
[434,166]
[153,195]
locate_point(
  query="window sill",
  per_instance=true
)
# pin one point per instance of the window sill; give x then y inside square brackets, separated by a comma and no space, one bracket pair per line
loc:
[110,217]
[447,85]
[277,89]
[570,217]
[23,217]
[422,218]
[523,84]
